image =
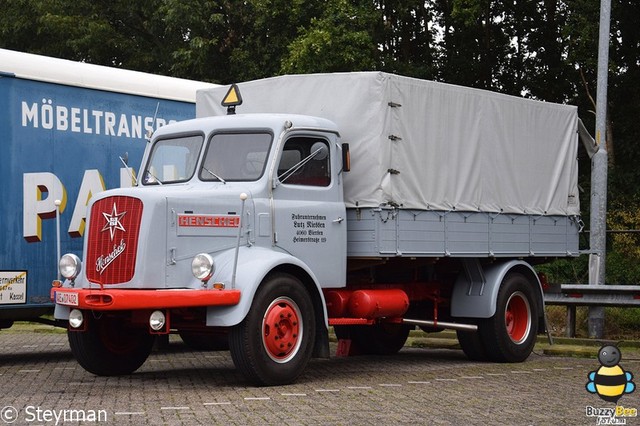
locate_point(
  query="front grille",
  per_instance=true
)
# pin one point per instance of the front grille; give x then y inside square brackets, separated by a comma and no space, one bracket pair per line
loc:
[113,240]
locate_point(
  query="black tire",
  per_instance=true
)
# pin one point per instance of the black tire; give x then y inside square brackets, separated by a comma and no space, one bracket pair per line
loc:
[216,341]
[110,347]
[509,336]
[472,346]
[274,343]
[378,339]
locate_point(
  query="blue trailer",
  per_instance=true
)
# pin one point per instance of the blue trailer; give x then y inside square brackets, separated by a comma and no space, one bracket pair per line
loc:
[66,131]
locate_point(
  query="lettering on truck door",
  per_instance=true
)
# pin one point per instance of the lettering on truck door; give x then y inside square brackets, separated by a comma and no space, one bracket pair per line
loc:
[309,210]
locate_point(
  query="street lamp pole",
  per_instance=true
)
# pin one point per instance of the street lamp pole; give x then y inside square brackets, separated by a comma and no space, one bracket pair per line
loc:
[597,236]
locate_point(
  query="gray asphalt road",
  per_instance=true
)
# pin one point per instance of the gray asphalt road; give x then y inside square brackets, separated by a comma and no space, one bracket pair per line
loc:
[42,384]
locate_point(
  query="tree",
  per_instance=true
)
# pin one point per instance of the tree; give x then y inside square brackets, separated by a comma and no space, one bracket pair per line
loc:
[19,26]
[406,36]
[340,39]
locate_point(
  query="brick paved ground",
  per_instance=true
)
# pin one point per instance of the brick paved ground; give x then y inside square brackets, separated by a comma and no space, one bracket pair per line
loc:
[40,379]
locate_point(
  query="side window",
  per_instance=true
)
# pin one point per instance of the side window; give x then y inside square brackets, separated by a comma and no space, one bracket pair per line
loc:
[305,161]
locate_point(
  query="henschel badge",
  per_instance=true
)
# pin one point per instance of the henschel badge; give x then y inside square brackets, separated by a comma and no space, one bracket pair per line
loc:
[113,221]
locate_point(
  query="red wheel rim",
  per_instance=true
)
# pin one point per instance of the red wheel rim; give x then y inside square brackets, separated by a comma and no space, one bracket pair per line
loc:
[282,329]
[517,317]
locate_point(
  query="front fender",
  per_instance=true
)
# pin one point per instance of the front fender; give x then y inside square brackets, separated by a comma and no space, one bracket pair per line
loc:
[475,292]
[254,264]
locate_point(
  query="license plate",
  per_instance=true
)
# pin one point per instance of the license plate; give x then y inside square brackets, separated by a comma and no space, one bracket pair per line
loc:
[64,298]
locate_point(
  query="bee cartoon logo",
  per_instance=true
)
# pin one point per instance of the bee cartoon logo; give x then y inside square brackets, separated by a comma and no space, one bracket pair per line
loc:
[610,381]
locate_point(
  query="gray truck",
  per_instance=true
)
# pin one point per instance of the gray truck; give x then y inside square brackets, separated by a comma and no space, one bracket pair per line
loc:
[367,202]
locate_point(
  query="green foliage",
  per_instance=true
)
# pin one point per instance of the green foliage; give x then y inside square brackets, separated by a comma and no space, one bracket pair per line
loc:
[340,39]
[620,323]
[623,322]
[623,257]
[566,271]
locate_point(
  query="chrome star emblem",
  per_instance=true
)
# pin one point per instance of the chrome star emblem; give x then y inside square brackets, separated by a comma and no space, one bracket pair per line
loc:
[113,221]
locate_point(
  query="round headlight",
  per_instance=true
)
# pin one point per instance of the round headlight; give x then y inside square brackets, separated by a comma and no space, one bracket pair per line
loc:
[202,266]
[76,318]
[70,266]
[157,320]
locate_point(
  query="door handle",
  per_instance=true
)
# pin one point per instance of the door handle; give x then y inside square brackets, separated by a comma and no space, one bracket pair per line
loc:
[338,220]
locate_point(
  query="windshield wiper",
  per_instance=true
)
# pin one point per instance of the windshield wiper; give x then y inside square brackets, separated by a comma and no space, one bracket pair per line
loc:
[214,175]
[154,177]
[293,169]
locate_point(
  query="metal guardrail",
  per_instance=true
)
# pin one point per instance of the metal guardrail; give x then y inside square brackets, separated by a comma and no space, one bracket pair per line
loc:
[593,295]
[573,295]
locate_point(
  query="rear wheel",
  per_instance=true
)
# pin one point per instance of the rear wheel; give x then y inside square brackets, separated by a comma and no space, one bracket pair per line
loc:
[110,347]
[274,343]
[472,346]
[509,336]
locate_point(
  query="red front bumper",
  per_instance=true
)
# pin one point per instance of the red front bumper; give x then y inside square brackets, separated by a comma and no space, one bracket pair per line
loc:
[123,300]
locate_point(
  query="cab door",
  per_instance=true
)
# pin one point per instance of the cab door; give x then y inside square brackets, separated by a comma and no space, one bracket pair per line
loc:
[308,204]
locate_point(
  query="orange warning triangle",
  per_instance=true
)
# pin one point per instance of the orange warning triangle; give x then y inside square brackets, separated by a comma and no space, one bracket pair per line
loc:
[233,97]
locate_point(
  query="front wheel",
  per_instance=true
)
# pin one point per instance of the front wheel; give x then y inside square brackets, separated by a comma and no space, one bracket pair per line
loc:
[274,343]
[509,336]
[110,347]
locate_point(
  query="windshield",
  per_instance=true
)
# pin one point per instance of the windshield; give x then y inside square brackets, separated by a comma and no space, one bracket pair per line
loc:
[173,160]
[236,157]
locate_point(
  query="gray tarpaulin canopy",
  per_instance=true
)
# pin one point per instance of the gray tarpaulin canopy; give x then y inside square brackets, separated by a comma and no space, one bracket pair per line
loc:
[432,146]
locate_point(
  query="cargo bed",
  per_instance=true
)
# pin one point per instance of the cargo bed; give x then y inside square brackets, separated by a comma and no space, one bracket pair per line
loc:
[388,231]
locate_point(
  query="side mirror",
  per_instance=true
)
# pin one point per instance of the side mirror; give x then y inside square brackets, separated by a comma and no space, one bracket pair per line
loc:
[320,151]
[346,158]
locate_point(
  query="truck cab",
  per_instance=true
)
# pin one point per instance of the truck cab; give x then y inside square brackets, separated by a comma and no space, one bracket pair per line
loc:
[290,169]
[224,207]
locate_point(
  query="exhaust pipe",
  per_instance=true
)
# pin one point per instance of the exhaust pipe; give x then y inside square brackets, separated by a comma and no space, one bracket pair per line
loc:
[441,324]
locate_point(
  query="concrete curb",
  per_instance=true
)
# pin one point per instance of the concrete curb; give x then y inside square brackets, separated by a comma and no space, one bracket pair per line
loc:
[562,346]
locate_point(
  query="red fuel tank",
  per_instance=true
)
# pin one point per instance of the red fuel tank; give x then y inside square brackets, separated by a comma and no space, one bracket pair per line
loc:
[378,303]
[337,302]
